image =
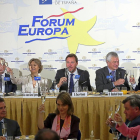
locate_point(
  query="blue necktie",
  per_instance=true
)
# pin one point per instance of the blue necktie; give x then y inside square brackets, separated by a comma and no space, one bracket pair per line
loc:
[113,75]
[71,87]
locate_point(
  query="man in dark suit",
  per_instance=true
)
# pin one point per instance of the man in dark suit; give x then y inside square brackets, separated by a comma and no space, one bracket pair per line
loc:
[132,112]
[134,85]
[5,86]
[111,76]
[13,128]
[71,77]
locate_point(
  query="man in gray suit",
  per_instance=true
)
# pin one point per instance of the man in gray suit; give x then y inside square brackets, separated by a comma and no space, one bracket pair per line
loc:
[13,128]
[111,76]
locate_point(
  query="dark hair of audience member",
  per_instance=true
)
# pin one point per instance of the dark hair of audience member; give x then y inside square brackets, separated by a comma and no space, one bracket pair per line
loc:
[66,100]
[1,100]
[134,100]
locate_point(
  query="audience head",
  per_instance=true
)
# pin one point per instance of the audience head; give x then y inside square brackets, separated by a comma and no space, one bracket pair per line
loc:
[47,134]
[132,107]
[112,60]
[2,109]
[2,65]
[71,62]
[35,65]
[64,104]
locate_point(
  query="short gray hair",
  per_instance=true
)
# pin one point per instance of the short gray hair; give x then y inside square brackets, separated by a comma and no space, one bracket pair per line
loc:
[111,54]
[134,100]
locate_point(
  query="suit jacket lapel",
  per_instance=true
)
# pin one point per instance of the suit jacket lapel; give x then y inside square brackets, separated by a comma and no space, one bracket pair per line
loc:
[8,129]
[106,71]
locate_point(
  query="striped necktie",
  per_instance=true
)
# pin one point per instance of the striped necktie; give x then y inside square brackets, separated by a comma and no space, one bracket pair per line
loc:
[113,76]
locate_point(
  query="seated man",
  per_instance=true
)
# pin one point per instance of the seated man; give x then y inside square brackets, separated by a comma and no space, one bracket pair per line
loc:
[13,128]
[71,77]
[111,76]
[5,86]
[47,134]
[134,85]
[132,112]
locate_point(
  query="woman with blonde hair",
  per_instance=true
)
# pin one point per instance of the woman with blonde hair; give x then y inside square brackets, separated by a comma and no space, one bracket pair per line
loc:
[28,82]
[62,121]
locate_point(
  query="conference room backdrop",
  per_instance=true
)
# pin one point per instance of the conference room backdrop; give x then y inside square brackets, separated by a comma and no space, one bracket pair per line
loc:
[51,29]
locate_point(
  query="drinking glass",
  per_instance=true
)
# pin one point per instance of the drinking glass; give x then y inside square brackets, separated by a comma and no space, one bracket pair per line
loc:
[124,90]
[130,137]
[85,89]
[43,98]
[4,129]
[126,73]
[9,138]
[110,111]
[56,92]
[116,136]
[105,91]
[117,105]
[132,73]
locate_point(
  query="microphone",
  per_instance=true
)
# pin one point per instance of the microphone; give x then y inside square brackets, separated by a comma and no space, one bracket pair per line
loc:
[109,77]
[38,78]
[66,72]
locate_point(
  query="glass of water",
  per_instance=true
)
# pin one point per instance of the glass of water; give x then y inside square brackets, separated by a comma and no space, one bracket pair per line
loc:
[4,129]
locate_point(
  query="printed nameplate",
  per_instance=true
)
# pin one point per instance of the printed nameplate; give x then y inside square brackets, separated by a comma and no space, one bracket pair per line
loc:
[115,93]
[79,94]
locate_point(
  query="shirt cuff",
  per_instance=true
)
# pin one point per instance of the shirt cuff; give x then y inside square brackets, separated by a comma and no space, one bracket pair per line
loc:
[113,84]
[56,87]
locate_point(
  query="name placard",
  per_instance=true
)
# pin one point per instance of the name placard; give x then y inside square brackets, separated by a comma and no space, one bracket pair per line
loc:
[79,94]
[115,93]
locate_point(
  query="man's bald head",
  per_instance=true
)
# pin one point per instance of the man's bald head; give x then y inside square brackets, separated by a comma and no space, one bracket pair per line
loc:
[47,134]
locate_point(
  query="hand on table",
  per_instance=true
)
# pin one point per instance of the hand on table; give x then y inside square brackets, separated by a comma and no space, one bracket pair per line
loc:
[114,90]
[119,82]
[2,138]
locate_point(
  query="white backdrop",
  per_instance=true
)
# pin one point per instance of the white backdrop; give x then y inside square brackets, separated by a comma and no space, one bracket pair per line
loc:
[97,27]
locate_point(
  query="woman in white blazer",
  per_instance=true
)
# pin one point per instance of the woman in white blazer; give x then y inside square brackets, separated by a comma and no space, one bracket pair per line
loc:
[28,82]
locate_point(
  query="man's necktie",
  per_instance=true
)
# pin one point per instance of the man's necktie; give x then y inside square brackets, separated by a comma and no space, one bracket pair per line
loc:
[113,76]
[1,129]
[0,82]
[71,87]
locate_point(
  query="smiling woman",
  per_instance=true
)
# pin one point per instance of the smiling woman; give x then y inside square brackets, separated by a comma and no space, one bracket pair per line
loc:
[28,82]
[62,121]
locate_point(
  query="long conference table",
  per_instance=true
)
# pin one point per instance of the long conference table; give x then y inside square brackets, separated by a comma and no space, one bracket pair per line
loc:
[92,111]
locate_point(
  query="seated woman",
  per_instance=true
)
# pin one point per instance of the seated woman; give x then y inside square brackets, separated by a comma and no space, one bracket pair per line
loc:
[126,131]
[62,121]
[28,82]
